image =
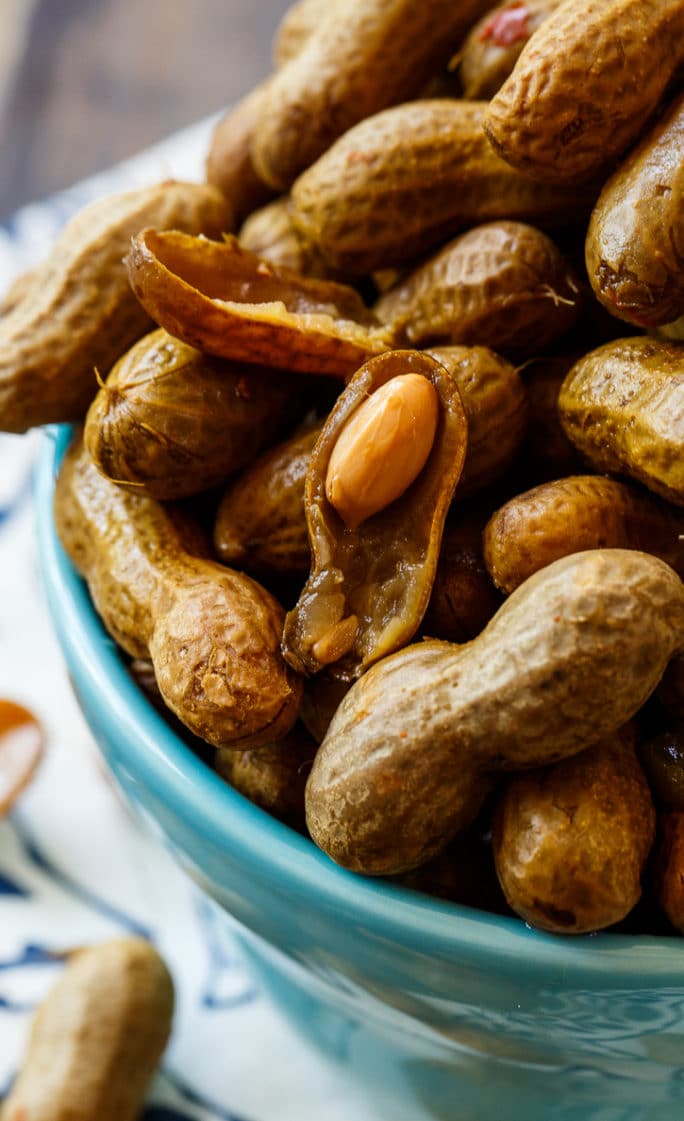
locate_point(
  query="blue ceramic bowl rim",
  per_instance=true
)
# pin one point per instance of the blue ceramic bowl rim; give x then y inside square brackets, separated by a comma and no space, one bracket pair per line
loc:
[150,749]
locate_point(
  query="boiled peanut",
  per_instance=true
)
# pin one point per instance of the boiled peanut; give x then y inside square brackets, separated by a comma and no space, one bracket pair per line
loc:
[463,873]
[493,46]
[399,183]
[571,840]
[362,57]
[274,776]
[270,233]
[79,312]
[546,452]
[299,23]
[171,422]
[662,758]
[22,743]
[502,285]
[382,448]
[369,587]
[581,512]
[18,290]
[97,1038]
[229,162]
[635,241]
[223,300]
[213,635]
[412,750]
[585,85]
[623,408]
[260,522]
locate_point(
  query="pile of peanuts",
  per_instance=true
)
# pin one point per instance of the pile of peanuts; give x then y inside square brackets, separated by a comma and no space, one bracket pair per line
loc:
[360,346]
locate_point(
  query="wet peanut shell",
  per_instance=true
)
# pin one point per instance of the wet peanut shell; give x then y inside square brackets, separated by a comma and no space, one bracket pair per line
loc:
[225,301]
[585,85]
[381,572]
[622,406]
[570,515]
[668,877]
[273,776]
[261,521]
[229,162]
[401,183]
[79,313]
[495,406]
[171,422]
[503,285]
[212,635]
[97,1038]
[361,58]
[492,48]
[571,840]
[635,241]
[412,750]
[463,598]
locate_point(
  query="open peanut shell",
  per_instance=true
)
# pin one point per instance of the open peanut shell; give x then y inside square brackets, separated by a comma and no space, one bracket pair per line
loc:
[381,572]
[224,300]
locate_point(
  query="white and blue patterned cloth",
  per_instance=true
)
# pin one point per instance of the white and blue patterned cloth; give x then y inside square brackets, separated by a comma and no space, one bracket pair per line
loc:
[74,866]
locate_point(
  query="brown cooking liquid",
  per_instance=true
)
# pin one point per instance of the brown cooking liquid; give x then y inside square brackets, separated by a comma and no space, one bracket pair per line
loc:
[22,741]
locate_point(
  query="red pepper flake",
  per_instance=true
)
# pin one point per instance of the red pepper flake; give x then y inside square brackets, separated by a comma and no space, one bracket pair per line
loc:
[507,27]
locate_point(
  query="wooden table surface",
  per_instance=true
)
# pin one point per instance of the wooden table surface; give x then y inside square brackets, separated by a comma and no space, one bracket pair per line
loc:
[85,83]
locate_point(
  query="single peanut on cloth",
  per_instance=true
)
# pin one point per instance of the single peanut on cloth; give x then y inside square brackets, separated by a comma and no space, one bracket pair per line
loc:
[622,406]
[223,300]
[416,743]
[400,183]
[585,86]
[382,448]
[212,635]
[571,841]
[581,512]
[77,311]
[635,241]
[371,579]
[363,56]
[97,1038]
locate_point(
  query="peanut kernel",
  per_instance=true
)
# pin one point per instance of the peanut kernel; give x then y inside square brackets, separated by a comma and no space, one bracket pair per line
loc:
[383,448]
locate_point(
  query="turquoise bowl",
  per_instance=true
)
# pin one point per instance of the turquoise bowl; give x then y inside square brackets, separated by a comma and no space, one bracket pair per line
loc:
[442,1011]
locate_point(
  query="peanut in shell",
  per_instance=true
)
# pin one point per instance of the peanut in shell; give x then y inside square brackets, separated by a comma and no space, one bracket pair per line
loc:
[229,161]
[580,512]
[414,747]
[493,46]
[622,406]
[403,181]
[503,285]
[585,85]
[78,312]
[635,241]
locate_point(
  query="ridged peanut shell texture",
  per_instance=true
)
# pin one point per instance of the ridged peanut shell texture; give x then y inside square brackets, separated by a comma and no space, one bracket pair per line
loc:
[373,580]
[504,285]
[225,301]
[571,840]
[78,312]
[413,748]
[622,406]
[585,86]
[97,1038]
[635,241]
[400,183]
[570,515]
[171,422]
[363,56]
[212,635]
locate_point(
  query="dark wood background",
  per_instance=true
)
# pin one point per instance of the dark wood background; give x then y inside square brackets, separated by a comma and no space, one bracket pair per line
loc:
[84,83]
